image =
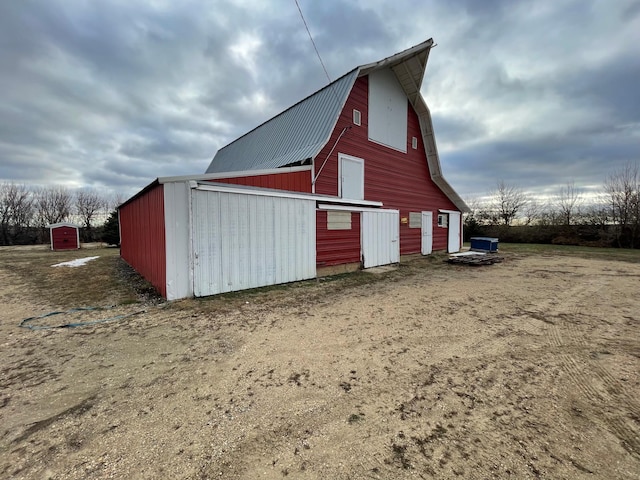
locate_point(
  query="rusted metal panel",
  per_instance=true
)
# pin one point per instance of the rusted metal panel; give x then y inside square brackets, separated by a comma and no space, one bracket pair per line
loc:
[400,180]
[294,181]
[142,236]
[336,247]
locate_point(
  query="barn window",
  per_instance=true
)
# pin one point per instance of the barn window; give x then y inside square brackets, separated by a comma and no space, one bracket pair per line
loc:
[357,117]
[443,220]
[415,220]
[414,143]
[338,220]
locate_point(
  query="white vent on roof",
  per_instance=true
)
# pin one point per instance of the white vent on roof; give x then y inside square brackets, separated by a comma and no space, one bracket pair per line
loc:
[414,143]
[356,117]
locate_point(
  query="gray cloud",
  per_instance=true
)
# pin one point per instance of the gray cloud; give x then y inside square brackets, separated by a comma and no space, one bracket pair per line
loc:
[114,94]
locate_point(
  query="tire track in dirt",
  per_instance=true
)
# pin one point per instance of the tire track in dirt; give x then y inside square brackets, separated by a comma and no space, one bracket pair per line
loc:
[611,400]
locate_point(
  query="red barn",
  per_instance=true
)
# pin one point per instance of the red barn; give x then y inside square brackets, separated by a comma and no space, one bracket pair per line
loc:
[349,175]
[64,236]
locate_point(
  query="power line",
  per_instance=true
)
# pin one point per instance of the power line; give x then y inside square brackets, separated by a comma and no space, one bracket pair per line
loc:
[312,42]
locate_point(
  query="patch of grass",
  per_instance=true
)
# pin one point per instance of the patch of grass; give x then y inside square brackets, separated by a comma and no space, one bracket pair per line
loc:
[107,280]
[595,253]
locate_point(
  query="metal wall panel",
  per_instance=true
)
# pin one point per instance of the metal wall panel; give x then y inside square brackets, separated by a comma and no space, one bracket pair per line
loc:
[291,181]
[245,241]
[142,237]
[380,237]
[176,219]
[335,247]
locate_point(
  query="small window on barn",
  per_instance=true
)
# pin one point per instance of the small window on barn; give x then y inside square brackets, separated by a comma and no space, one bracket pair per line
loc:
[415,220]
[357,120]
[414,143]
[443,220]
[338,220]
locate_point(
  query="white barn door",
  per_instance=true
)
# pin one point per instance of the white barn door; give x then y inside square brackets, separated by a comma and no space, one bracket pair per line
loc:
[427,233]
[380,237]
[351,177]
[454,232]
[242,241]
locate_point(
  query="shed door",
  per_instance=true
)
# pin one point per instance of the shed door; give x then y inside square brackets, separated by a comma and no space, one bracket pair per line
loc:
[427,233]
[380,237]
[454,232]
[351,177]
[245,241]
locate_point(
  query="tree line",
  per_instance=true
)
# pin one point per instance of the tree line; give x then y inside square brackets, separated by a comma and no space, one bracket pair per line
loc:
[25,212]
[610,218]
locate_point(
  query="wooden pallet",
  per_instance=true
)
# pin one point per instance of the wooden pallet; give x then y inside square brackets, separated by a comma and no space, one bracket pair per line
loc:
[475,260]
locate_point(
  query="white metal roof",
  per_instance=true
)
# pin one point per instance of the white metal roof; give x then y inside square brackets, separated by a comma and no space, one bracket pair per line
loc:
[63,224]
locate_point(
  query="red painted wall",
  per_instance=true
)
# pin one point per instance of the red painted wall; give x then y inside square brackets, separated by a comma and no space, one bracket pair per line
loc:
[399,180]
[335,247]
[142,237]
[64,238]
[293,181]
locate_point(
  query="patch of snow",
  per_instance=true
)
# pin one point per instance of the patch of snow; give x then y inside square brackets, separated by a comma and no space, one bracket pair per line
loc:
[466,254]
[75,263]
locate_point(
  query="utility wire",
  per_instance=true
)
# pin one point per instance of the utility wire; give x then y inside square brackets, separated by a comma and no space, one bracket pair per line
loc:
[312,42]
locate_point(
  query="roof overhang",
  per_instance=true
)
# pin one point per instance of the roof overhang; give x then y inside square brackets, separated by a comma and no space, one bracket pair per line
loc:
[63,224]
[272,192]
[409,67]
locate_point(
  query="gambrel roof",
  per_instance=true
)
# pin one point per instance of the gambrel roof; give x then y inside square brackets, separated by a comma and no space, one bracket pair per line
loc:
[296,136]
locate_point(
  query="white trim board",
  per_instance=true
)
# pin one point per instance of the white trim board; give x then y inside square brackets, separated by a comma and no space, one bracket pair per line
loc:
[354,208]
[283,194]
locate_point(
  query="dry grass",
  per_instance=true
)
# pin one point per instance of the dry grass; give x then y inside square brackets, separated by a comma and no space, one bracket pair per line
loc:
[108,281]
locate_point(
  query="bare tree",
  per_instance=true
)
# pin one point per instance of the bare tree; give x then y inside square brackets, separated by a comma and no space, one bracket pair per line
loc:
[507,202]
[622,189]
[53,205]
[16,211]
[532,211]
[88,205]
[568,203]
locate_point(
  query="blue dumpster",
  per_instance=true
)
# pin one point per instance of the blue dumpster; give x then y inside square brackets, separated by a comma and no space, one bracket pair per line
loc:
[484,244]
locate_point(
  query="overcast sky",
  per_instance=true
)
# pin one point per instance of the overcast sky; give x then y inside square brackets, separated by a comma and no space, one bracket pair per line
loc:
[112,94]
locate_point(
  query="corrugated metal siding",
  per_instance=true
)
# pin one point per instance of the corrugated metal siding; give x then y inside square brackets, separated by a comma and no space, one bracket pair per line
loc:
[296,134]
[401,181]
[380,237]
[294,181]
[142,237]
[336,247]
[178,239]
[64,238]
[245,241]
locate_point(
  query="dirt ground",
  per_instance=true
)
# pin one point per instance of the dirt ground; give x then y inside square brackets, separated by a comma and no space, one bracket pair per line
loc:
[525,369]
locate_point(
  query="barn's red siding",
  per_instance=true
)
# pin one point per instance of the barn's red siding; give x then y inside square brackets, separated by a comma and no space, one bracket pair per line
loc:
[64,238]
[292,181]
[336,247]
[142,241]
[399,180]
